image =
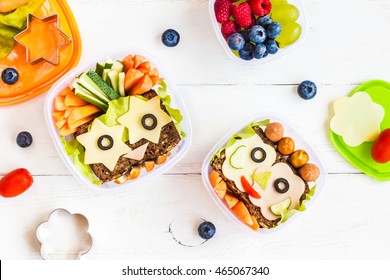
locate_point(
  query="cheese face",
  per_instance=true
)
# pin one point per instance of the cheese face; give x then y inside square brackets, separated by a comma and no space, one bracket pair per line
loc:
[357,119]
[269,195]
[101,133]
[137,153]
[140,109]
[244,165]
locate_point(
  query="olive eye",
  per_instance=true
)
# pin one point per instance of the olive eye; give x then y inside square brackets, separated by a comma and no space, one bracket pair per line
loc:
[258,155]
[281,185]
[149,121]
[105,142]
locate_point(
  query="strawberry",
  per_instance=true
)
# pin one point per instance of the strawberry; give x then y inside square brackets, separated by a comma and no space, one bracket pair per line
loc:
[222,10]
[242,14]
[260,7]
[228,28]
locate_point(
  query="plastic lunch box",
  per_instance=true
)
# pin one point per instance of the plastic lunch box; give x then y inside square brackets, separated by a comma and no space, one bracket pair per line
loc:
[177,102]
[217,28]
[300,143]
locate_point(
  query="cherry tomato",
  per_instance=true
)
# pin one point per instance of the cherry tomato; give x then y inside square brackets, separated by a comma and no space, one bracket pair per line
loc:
[15,183]
[249,189]
[381,149]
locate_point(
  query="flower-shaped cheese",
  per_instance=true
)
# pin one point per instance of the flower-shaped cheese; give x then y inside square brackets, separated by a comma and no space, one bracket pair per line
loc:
[239,158]
[103,144]
[357,119]
[145,119]
[268,192]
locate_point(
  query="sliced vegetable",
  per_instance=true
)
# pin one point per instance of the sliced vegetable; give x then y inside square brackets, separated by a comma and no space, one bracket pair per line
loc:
[281,206]
[249,189]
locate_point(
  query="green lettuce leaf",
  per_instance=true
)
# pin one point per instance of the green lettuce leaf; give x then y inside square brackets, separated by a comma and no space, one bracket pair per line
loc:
[247,132]
[175,113]
[116,108]
[76,151]
[286,214]
[12,23]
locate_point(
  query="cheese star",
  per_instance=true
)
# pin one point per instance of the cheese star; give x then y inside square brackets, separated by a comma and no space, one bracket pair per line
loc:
[144,119]
[103,144]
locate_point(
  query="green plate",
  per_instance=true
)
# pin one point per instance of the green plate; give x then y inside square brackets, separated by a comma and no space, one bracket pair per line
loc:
[360,156]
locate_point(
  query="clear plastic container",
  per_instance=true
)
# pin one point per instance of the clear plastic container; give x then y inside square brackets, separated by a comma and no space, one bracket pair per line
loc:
[177,102]
[300,143]
[217,28]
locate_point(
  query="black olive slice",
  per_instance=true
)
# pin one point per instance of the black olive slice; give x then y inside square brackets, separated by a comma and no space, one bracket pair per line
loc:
[154,122]
[100,142]
[281,181]
[263,155]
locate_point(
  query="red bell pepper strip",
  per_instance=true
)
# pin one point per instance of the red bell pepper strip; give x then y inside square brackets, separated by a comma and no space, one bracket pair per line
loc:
[249,189]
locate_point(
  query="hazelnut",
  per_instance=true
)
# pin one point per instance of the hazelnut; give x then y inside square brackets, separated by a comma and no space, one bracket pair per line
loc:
[299,158]
[286,146]
[309,172]
[274,131]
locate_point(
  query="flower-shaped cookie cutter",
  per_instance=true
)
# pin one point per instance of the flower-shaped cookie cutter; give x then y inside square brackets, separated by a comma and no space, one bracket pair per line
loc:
[64,236]
[42,39]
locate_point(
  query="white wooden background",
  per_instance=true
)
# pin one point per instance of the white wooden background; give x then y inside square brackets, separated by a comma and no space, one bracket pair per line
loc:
[347,43]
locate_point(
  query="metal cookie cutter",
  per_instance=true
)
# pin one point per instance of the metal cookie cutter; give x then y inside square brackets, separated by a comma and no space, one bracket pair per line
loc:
[42,39]
[64,236]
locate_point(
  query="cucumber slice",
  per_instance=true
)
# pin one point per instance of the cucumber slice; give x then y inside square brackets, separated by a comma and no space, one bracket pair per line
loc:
[121,83]
[105,76]
[99,68]
[281,206]
[117,66]
[262,179]
[85,82]
[114,80]
[108,64]
[236,158]
[87,96]
[103,86]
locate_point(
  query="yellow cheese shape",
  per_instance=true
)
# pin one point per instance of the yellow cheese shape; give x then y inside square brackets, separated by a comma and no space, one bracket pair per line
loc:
[140,109]
[245,162]
[357,119]
[107,136]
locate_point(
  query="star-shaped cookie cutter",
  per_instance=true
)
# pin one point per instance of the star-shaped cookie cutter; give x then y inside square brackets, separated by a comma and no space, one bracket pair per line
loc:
[50,55]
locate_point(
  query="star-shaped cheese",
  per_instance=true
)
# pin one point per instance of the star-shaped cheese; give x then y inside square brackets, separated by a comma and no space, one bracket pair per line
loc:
[137,153]
[42,39]
[140,109]
[102,133]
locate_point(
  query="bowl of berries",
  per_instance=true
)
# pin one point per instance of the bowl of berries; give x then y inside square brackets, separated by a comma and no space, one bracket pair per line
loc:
[258,31]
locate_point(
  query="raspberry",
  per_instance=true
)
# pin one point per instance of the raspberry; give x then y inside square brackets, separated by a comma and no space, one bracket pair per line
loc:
[222,10]
[260,7]
[228,28]
[242,14]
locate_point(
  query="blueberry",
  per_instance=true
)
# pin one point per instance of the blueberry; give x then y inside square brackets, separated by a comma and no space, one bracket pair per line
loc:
[264,21]
[257,34]
[206,230]
[245,34]
[307,89]
[10,76]
[170,38]
[259,51]
[236,41]
[24,139]
[272,46]
[274,30]
[247,52]
[265,54]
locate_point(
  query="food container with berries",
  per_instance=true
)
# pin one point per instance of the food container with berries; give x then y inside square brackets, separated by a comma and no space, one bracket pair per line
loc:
[118,121]
[263,174]
[258,31]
